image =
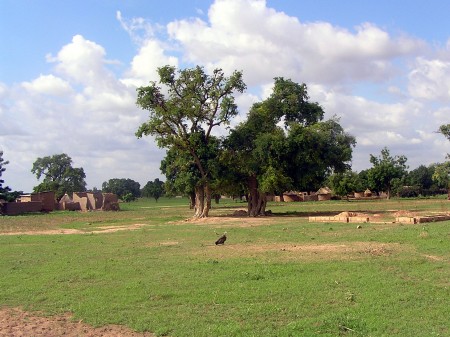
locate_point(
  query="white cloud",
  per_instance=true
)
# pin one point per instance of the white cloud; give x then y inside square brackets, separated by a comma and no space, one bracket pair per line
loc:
[442,115]
[430,79]
[48,84]
[359,113]
[85,111]
[151,55]
[244,34]
[83,62]
[139,29]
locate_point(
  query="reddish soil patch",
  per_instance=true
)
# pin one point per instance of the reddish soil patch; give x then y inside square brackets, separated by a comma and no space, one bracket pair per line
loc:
[18,323]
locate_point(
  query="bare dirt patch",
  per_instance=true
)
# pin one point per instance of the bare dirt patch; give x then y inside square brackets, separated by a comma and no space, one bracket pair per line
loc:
[62,231]
[226,221]
[331,251]
[434,257]
[15,322]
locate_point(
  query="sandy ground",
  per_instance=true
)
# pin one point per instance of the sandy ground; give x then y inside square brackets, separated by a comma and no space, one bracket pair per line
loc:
[17,323]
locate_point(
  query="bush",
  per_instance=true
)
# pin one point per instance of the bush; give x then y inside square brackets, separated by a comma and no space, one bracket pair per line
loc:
[428,192]
[416,191]
[128,197]
[408,192]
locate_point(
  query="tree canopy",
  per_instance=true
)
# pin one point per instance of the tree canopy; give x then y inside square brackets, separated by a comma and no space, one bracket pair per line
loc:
[124,188]
[421,177]
[285,144]
[441,174]
[58,175]
[153,189]
[345,183]
[184,113]
[445,130]
[385,170]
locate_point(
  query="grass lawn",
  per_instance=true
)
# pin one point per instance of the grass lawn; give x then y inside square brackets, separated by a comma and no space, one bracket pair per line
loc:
[275,276]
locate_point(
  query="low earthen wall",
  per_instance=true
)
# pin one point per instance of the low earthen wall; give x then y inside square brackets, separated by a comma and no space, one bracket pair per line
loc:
[16,208]
[311,197]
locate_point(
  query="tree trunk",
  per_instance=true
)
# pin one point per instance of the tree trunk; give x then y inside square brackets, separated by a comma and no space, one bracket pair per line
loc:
[199,201]
[191,200]
[281,197]
[206,201]
[202,201]
[256,200]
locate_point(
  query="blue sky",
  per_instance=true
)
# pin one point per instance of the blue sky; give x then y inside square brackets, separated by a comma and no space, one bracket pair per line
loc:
[69,70]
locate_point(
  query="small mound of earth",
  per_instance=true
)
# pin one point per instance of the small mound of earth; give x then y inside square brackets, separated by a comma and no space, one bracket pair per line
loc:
[347,214]
[240,212]
[404,214]
[18,323]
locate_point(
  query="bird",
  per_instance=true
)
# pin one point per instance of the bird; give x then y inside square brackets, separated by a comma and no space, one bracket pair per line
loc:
[222,239]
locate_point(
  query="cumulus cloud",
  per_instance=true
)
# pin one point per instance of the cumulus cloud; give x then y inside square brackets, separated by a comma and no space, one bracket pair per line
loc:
[81,109]
[151,55]
[430,79]
[248,35]
[48,84]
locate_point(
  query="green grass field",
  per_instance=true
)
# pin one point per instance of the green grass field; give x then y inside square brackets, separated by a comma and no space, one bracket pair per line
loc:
[275,276]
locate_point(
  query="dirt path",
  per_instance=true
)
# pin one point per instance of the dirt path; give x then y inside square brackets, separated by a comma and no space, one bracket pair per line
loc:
[61,231]
[18,323]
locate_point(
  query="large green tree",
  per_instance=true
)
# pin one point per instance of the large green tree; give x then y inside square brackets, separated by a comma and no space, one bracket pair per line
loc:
[183,114]
[441,175]
[421,177]
[58,175]
[153,189]
[285,144]
[345,183]
[123,188]
[385,171]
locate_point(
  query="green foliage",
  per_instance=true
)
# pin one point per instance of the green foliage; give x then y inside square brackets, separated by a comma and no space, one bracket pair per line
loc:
[445,130]
[122,187]
[195,103]
[182,118]
[441,174]
[299,155]
[385,169]
[422,177]
[345,183]
[59,175]
[128,197]
[153,189]
[181,172]
[363,178]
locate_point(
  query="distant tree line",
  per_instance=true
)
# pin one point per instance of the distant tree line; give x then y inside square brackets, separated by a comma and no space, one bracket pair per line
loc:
[390,175]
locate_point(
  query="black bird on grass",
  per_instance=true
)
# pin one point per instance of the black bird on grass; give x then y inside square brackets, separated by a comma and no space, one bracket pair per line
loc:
[222,239]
